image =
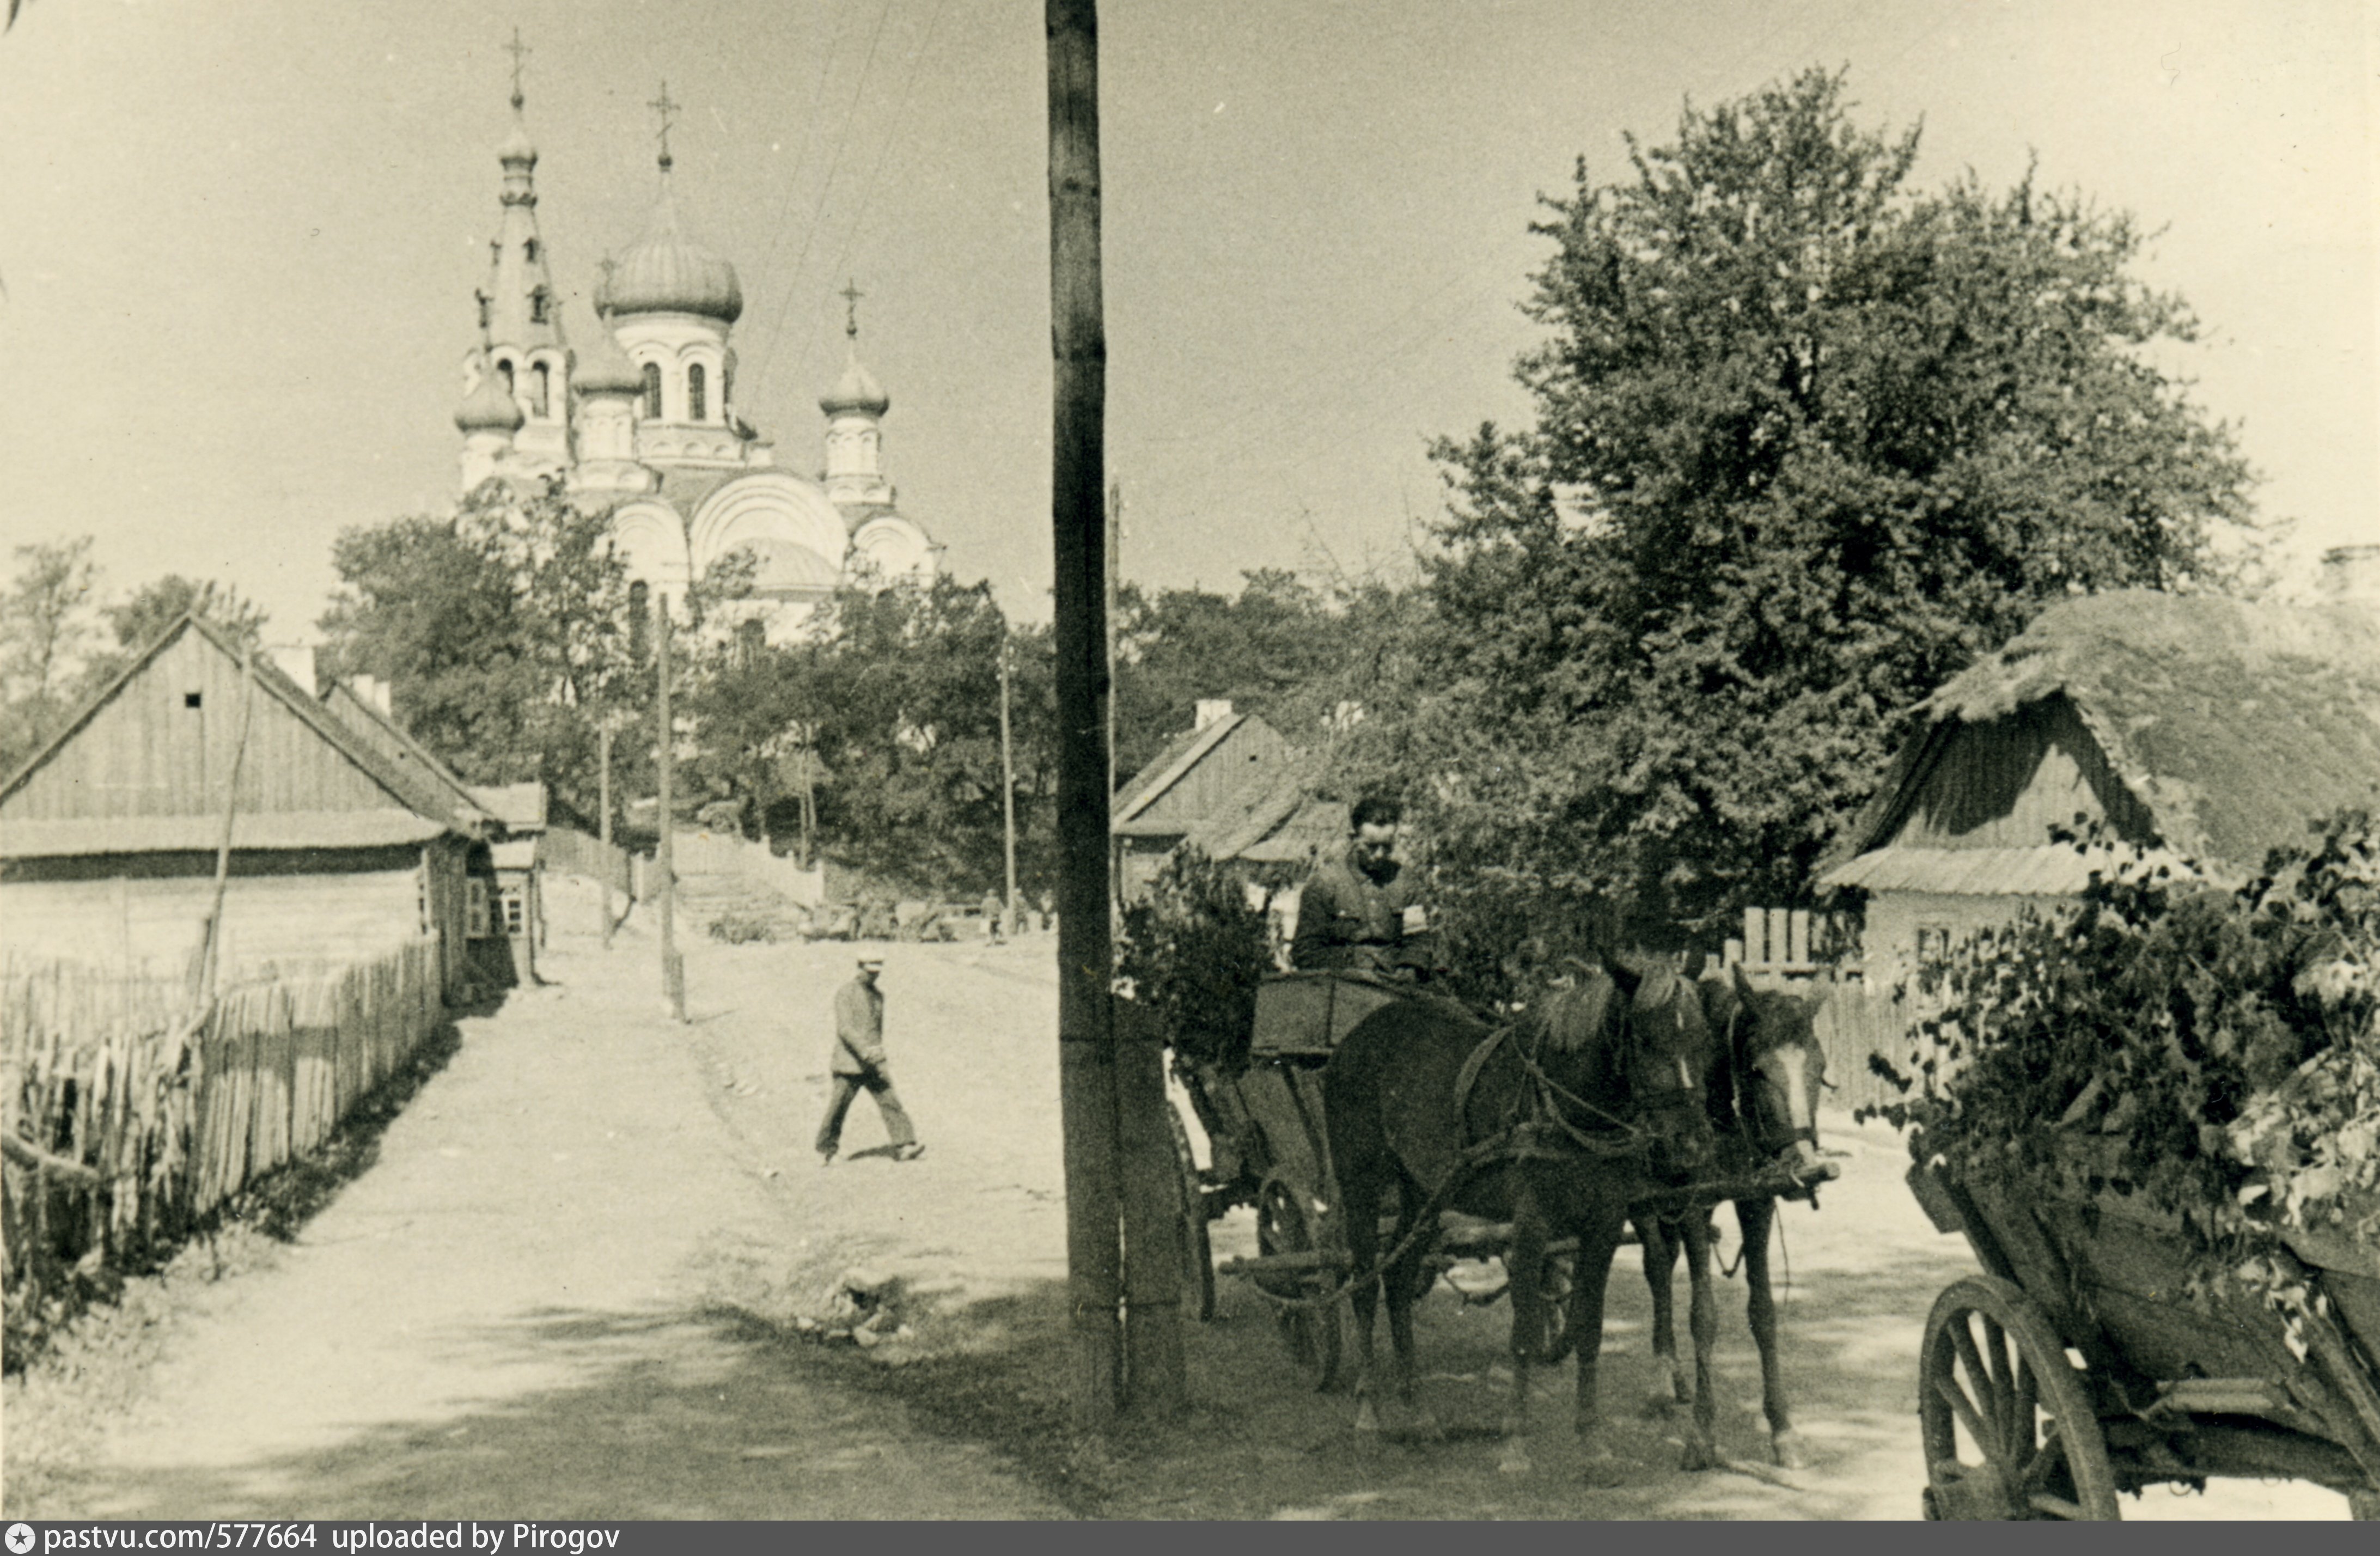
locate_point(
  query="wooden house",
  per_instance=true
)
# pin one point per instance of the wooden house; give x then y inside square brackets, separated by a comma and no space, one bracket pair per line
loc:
[109,835]
[1194,779]
[499,908]
[2208,730]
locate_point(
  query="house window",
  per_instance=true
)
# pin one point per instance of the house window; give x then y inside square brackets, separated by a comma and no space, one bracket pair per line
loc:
[475,907]
[539,382]
[696,400]
[194,700]
[652,392]
[1933,945]
[516,920]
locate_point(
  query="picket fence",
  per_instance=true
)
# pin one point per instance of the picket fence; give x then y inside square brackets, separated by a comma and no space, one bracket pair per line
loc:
[124,1127]
[568,851]
[1796,949]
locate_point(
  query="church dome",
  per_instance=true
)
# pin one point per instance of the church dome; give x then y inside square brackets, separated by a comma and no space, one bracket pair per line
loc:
[855,390]
[604,369]
[488,408]
[665,273]
[788,566]
[517,147]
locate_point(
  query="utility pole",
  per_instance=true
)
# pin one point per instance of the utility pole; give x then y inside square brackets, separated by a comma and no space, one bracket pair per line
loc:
[673,965]
[603,825]
[1106,1090]
[1007,779]
[1114,592]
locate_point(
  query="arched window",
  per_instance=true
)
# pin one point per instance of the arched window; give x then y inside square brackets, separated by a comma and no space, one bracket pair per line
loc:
[639,619]
[538,301]
[751,637]
[505,371]
[540,382]
[695,398]
[652,392]
[528,249]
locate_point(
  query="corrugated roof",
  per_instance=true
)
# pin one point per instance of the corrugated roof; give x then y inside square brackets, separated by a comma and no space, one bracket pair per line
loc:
[158,834]
[1181,754]
[2233,723]
[2051,870]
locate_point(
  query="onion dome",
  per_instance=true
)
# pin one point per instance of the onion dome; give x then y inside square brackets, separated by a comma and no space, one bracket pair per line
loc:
[857,390]
[517,147]
[604,369]
[665,273]
[488,408]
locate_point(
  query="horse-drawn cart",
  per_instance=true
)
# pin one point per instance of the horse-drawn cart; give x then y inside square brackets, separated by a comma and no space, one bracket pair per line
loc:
[2083,1365]
[1270,1149]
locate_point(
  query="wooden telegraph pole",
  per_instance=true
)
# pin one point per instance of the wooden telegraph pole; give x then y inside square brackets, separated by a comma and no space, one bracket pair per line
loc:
[1007,782]
[1106,1091]
[665,864]
[603,824]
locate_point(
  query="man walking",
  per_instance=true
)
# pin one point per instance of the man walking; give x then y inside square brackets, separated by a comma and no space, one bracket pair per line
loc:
[859,1061]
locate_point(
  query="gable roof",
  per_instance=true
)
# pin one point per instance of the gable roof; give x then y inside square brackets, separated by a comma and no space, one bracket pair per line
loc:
[1276,820]
[520,807]
[1170,765]
[432,812]
[399,747]
[2233,724]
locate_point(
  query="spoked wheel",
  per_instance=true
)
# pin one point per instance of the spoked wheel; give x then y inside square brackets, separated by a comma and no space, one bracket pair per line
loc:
[1560,1277]
[1197,1254]
[1288,1222]
[2006,1419]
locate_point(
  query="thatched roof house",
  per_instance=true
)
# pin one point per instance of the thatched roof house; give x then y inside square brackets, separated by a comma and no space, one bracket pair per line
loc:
[2212,729]
[1195,779]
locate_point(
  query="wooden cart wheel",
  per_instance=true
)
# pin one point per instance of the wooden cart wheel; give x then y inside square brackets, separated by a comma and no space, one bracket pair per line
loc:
[1197,1254]
[1288,1223]
[2006,1419]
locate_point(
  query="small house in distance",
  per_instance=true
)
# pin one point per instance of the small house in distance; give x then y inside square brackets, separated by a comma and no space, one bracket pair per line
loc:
[499,908]
[2212,729]
[109,835]
[1193,780]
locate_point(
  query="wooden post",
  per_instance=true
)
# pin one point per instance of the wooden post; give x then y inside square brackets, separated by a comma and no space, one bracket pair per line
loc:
[1007,782]
[673,965]
[604,824]
[1085,1046]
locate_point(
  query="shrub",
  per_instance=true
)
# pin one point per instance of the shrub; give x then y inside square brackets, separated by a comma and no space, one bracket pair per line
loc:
[2215,1049]
[1192,953]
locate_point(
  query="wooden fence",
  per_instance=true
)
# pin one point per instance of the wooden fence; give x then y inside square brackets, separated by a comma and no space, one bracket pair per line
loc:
[1797,949]
[572,852]
[123,1129]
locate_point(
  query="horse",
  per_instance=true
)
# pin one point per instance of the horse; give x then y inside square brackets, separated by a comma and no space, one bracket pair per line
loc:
[1556,1123]
[1764,1105]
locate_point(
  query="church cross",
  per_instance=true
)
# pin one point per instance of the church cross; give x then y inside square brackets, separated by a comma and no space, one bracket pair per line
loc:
[666,111]
[604,293]
[520,53]
[851,294]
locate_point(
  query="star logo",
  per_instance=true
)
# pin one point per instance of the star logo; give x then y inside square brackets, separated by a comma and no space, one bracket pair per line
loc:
[20,1538]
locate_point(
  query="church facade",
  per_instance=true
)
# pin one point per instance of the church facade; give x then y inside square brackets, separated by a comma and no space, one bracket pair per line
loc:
[643,419]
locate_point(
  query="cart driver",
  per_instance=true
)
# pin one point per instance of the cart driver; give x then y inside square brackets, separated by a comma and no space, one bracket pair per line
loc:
[1356,911]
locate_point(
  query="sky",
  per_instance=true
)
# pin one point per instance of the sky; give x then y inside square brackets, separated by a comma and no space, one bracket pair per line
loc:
[239,241]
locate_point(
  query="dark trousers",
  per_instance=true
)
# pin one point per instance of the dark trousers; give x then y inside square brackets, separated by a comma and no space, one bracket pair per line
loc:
[888,1102]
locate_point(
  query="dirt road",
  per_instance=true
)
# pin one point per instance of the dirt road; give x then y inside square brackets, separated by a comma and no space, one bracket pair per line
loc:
[569,1288]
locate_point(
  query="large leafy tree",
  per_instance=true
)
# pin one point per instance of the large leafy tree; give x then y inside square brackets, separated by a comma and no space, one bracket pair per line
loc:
[46,631]
[885,715]
[1806,442]
[504,631]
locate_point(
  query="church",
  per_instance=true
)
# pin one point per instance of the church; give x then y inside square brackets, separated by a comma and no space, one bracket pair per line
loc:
[643,419]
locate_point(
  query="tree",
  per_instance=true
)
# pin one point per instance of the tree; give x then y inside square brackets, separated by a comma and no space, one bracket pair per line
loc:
[890,700]
[45,631]
[503,632]
[1806,443]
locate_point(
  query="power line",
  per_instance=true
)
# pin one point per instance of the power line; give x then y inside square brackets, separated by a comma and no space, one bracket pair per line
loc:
[842,140]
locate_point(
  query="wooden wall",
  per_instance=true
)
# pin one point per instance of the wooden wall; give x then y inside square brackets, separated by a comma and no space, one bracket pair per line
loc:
[130,921]
[148,752]
[2005,783]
